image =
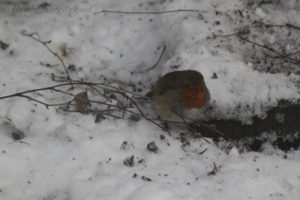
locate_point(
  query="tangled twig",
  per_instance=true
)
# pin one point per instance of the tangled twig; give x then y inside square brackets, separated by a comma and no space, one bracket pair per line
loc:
[279,53]
[146,12]
[123,107]
[275,51]
[288,25]
[35,36]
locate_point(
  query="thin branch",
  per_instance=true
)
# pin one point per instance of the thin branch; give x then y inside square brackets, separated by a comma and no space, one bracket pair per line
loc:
[275,51]
[107,104]
[36,37]
[213,129]
[96,112]
[132,101]
[158,60]
[101,93]
[292,26]
[194,133]
[35,90]
[47,105]
[146,12]
[103,86]
[280,25]
[20,141]
[63,92]
[289,54]
[226,35]
[184,118]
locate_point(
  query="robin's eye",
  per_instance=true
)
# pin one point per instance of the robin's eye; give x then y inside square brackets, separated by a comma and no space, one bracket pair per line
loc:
[195,90]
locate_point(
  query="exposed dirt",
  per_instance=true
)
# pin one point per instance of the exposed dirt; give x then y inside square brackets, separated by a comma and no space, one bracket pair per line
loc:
[282,121]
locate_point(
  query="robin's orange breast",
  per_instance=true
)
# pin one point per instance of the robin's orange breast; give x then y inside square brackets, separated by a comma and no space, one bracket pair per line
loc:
[191,99]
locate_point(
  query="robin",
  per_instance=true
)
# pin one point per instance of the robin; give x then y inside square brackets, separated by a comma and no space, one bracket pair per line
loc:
[180,96]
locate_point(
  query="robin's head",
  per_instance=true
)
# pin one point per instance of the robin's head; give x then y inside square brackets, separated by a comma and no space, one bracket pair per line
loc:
[192,88]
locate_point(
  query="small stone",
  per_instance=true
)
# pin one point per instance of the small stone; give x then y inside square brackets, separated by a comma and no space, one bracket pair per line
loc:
[162,137]
[3,45]
[217,22]
[145,178]
[214,76]
[124,145]
[134,118]
[17,135]
[72,67]
[44,5]
[129,161]
[152,147]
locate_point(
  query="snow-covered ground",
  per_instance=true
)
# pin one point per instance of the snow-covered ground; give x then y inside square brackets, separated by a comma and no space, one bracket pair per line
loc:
[66,156]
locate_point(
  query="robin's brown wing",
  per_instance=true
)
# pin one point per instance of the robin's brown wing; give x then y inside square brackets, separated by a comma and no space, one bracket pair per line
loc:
[166,83]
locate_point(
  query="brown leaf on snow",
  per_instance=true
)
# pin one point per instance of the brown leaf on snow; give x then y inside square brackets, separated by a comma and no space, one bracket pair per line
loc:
[81,101]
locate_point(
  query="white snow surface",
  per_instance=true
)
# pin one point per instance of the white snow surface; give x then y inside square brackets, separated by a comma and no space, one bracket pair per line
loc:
[67,156]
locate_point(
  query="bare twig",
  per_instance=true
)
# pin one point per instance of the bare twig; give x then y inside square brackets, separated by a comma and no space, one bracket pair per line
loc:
[20,141]
[63,92]
[292,26]
[146,12]
[274,51]
[195,133]
[214,170]
[202,152]
[101,93]
[277,52]
[104,86]
[35,90]
[280,25]
[289,54]
[215,130]
[225,35]
[47,105]
[158,60]
[35,36]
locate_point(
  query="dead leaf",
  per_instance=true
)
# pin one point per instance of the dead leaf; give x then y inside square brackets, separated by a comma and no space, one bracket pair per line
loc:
[81,101]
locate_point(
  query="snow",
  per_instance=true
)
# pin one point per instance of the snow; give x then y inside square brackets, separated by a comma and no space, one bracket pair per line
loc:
[68,156]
